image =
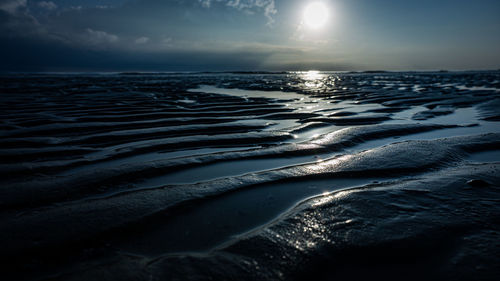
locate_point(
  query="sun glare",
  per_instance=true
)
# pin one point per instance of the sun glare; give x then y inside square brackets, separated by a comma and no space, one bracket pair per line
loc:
[315,15]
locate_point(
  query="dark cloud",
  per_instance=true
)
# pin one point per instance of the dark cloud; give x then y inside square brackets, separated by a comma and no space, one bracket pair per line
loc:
[48,5]
[140,35]
[34,55]
[16,21]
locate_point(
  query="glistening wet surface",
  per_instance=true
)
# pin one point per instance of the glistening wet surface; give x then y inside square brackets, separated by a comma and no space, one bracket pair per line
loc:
[211,223]
[258,175]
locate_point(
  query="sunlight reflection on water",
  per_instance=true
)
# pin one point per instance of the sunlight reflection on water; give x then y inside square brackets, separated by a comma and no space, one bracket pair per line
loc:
[313,78]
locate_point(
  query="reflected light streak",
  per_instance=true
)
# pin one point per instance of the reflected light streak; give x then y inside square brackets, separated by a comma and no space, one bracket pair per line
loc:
[313,78]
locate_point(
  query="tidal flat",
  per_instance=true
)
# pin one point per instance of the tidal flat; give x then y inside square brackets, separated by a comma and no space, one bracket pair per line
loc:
[250,176]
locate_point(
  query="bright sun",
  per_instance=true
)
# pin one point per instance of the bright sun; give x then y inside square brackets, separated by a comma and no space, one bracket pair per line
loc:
[315,15]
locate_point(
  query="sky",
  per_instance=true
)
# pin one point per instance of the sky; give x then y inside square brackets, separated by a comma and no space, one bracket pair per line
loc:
[248,35]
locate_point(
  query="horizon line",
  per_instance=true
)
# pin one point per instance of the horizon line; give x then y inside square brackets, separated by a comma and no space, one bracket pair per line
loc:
[138,72]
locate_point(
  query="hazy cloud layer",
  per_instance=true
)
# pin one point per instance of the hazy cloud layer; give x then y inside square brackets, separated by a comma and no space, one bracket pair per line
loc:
[142,40]
[98,37]
[48,5]
[268,6]
[12,6]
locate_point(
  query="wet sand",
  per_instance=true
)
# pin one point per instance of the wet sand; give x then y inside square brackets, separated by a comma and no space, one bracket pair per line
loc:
[256,176]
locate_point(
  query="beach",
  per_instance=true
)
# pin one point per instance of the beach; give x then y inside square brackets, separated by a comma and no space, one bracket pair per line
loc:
[250,176]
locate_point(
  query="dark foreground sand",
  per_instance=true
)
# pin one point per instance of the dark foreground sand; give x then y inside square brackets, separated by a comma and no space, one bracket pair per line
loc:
[352,176]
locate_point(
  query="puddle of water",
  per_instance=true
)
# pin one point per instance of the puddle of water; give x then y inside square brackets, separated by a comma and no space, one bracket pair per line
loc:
[249,93]
[227,169]
[313,133]
[358,108]
[147,157]
[485,156]
[443,133]
[459,116]
[300,103]
[462,87]
[187,101]
[218,220]
[282,124]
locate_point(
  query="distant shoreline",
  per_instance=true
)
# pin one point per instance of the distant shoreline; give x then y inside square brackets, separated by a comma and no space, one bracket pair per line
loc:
[152,73]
